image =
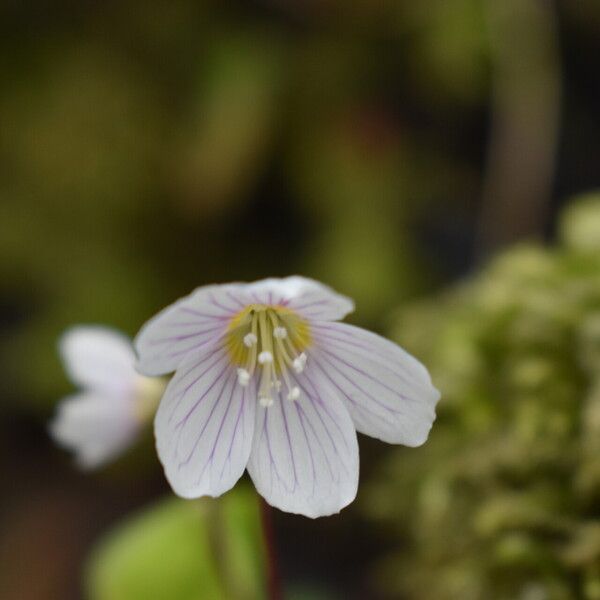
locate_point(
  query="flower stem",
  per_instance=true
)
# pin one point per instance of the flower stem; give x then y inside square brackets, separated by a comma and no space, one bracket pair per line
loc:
[273,580]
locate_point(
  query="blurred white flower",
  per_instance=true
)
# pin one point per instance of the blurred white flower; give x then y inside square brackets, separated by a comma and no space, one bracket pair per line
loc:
[104,418]
[267,380]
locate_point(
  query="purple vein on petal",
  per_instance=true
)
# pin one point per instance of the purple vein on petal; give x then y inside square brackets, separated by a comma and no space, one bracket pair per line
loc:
[235,300]
[211,455]
[206,424]
[349,336]
[240,416]
[180,395]
[256,298]
[312,458]
[364,374]
[302,415]
[206,316]
[289,441]
[272,463]
[329,435]
[179,338]
[356,404]
[211,340]
[309,304]
[219,431]
[214,302]
[206,391]
[342,345]
[360,389]
[333,420]
[322,404]
[174,324]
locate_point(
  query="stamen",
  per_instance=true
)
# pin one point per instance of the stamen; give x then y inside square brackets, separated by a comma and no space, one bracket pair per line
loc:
[250,340]
[254,348]
[268,342]
[265,401]
[280,332]
[282,359]
[265,357]
[299,363]
[243,377]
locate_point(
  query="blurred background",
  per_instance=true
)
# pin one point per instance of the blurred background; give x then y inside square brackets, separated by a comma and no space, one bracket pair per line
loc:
[435,160]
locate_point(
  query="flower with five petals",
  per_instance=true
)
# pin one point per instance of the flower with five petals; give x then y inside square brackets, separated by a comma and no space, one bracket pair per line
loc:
[267,380]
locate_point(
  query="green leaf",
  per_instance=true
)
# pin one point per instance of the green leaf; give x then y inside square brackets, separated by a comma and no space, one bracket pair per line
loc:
[182,550]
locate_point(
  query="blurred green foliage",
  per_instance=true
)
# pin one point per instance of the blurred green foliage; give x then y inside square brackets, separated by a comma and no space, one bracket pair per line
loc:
[151,147]
[503,502]
[189,550]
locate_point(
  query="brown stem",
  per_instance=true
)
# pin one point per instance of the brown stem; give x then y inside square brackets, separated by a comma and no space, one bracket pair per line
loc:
[526,89]
[274,591]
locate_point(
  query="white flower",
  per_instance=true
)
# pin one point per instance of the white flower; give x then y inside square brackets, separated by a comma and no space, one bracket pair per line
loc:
[105,417]
[284,406]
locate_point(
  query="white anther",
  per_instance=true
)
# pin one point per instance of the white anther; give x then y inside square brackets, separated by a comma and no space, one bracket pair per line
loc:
[243,377]
[265,401]
[250,339]
[294,393]
[280,333]
[276,384]
[299,363]
[265,357]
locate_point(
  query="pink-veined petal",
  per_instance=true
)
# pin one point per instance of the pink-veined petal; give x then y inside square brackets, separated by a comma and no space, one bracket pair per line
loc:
[388,392]
[305,454]
[309,298]
[204,426]
[190,325]
[99,358]
[96,428]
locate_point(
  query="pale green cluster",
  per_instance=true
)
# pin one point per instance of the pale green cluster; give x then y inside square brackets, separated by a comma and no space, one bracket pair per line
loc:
[503,502]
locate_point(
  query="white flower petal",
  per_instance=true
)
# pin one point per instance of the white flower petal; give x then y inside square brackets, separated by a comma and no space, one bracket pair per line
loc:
[307,297]
[204,426]
[191,324]
[305,453]
[388,392]
[99,358]
[97,428]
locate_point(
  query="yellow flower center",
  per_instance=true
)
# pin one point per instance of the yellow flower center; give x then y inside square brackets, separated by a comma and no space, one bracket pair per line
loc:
[268,341]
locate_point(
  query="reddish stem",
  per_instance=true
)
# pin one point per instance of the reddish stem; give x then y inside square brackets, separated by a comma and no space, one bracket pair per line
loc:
[274,591]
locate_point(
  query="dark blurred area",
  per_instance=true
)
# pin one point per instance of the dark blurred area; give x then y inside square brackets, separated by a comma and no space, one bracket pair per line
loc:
[389,148]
